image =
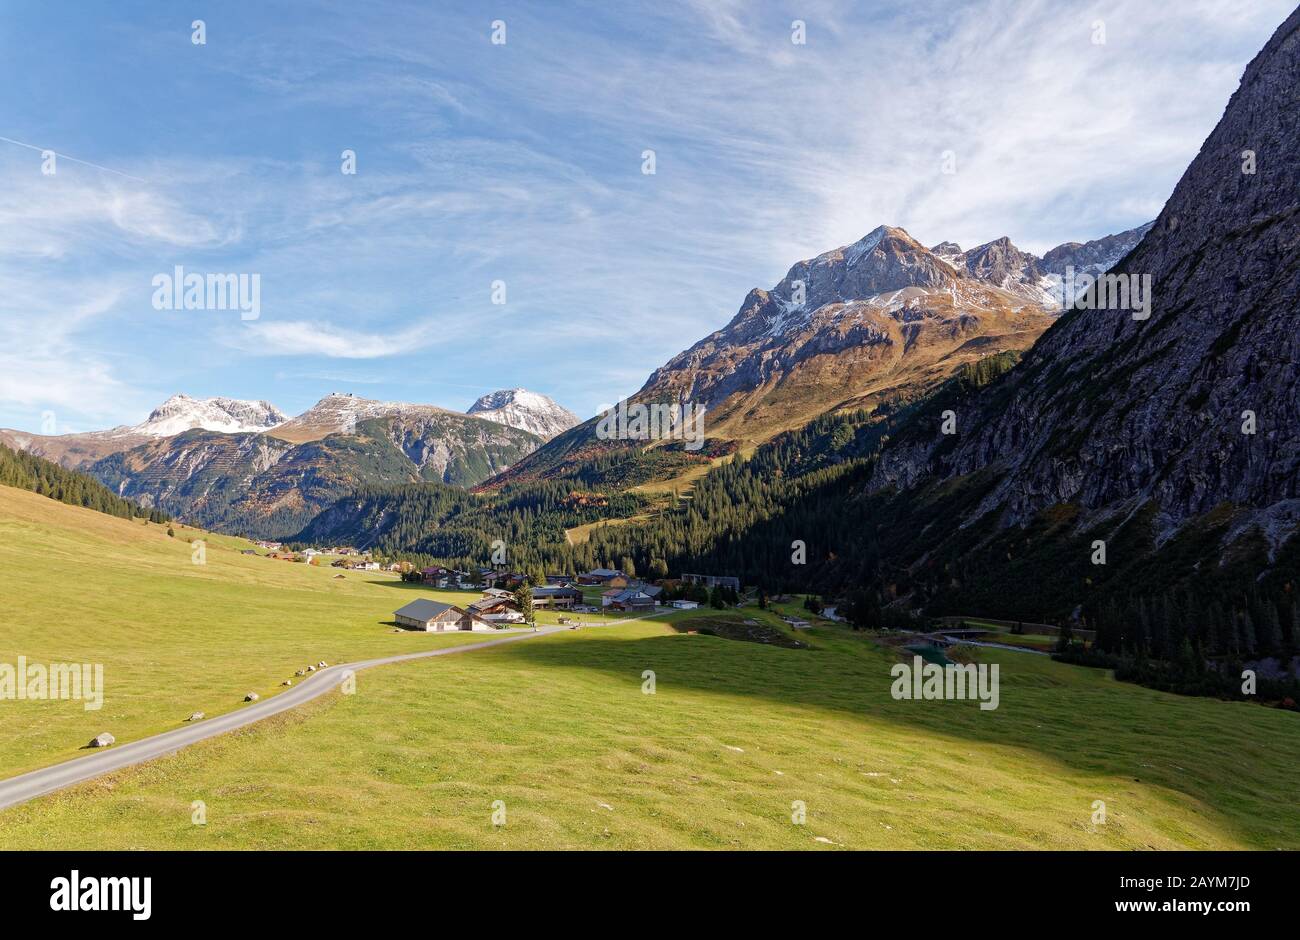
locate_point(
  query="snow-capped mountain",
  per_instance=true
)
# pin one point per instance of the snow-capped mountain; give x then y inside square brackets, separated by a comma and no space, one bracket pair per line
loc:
[227,415]
[528,411]
[1052,280]
[339,412]
[273,483]
[176,415]
[879,318]
[883,319]
[1091,258]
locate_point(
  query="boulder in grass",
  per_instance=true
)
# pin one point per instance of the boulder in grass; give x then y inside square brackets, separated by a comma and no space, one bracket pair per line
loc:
[197,716]
[251,697]
[311,668]
[287,682]
[322,665]
[102,740]
[301,672]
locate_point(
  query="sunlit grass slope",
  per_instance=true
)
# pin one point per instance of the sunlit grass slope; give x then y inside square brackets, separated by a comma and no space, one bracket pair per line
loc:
[735,740]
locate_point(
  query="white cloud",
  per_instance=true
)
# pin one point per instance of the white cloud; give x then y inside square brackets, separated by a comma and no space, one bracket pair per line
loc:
[524,164]
[42,366]
[314,338]
[79,207]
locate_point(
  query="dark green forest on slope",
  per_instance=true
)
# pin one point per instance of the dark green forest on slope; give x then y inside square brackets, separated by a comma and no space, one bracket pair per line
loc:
[798,516]
[22,470]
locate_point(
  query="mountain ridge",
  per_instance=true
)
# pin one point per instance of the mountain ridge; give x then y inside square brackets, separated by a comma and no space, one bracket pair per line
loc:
[225,463]
[528,411]
[880,319]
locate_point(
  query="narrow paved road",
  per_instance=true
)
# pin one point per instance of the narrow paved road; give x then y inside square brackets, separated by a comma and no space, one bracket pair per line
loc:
[48,779]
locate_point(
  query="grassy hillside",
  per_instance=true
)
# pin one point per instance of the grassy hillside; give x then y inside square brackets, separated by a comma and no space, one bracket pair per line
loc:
[174,637]
[558,728]
[28,472]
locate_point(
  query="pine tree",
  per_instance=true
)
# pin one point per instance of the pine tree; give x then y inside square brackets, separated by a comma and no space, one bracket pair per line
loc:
[524,601]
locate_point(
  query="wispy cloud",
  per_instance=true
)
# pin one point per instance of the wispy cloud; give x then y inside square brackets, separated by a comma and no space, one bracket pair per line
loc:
[522,164]
[305,338]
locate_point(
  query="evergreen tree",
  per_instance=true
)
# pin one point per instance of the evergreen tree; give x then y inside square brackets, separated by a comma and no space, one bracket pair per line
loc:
[524,601]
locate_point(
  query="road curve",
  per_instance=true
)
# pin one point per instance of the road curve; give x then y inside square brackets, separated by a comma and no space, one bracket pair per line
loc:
[48,779]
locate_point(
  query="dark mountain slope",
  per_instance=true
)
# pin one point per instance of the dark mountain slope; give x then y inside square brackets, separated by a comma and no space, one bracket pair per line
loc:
[1109,412]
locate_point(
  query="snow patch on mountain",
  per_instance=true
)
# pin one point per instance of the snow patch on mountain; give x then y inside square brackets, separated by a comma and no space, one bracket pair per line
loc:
[525,410]
[340,412]
[864,245]
[226,415]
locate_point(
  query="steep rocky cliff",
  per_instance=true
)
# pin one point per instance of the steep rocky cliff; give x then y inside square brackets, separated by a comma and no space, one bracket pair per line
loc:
[1198,404]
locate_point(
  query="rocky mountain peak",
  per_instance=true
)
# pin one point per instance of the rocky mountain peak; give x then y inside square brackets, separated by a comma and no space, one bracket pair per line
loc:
[228,415]
[886,259]
[1001,263]
[525,410]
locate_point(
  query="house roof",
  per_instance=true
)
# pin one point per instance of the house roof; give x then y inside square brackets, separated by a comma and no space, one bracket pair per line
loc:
[487,603]
[424,609]
[556,592]
[629,594]
[603,573]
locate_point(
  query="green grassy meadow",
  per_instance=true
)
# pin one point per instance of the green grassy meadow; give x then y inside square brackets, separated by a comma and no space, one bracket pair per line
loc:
[735,739]
[174,637]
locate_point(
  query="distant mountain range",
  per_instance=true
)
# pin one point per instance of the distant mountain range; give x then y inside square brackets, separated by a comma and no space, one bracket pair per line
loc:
[882,319]
[241,465]
[340,413]
[177,414]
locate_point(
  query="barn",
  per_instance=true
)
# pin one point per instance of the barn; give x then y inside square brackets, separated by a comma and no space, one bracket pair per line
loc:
[435,616]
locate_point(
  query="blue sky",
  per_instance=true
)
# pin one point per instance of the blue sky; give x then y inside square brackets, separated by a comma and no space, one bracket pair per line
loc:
[522,163]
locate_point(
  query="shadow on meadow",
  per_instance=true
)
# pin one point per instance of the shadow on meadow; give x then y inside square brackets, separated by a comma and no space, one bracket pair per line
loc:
[1236,758]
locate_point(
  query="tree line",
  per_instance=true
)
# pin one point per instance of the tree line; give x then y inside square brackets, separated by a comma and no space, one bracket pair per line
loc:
[28,472]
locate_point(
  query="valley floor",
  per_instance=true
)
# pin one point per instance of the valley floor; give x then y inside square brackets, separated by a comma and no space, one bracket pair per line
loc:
[557,737]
